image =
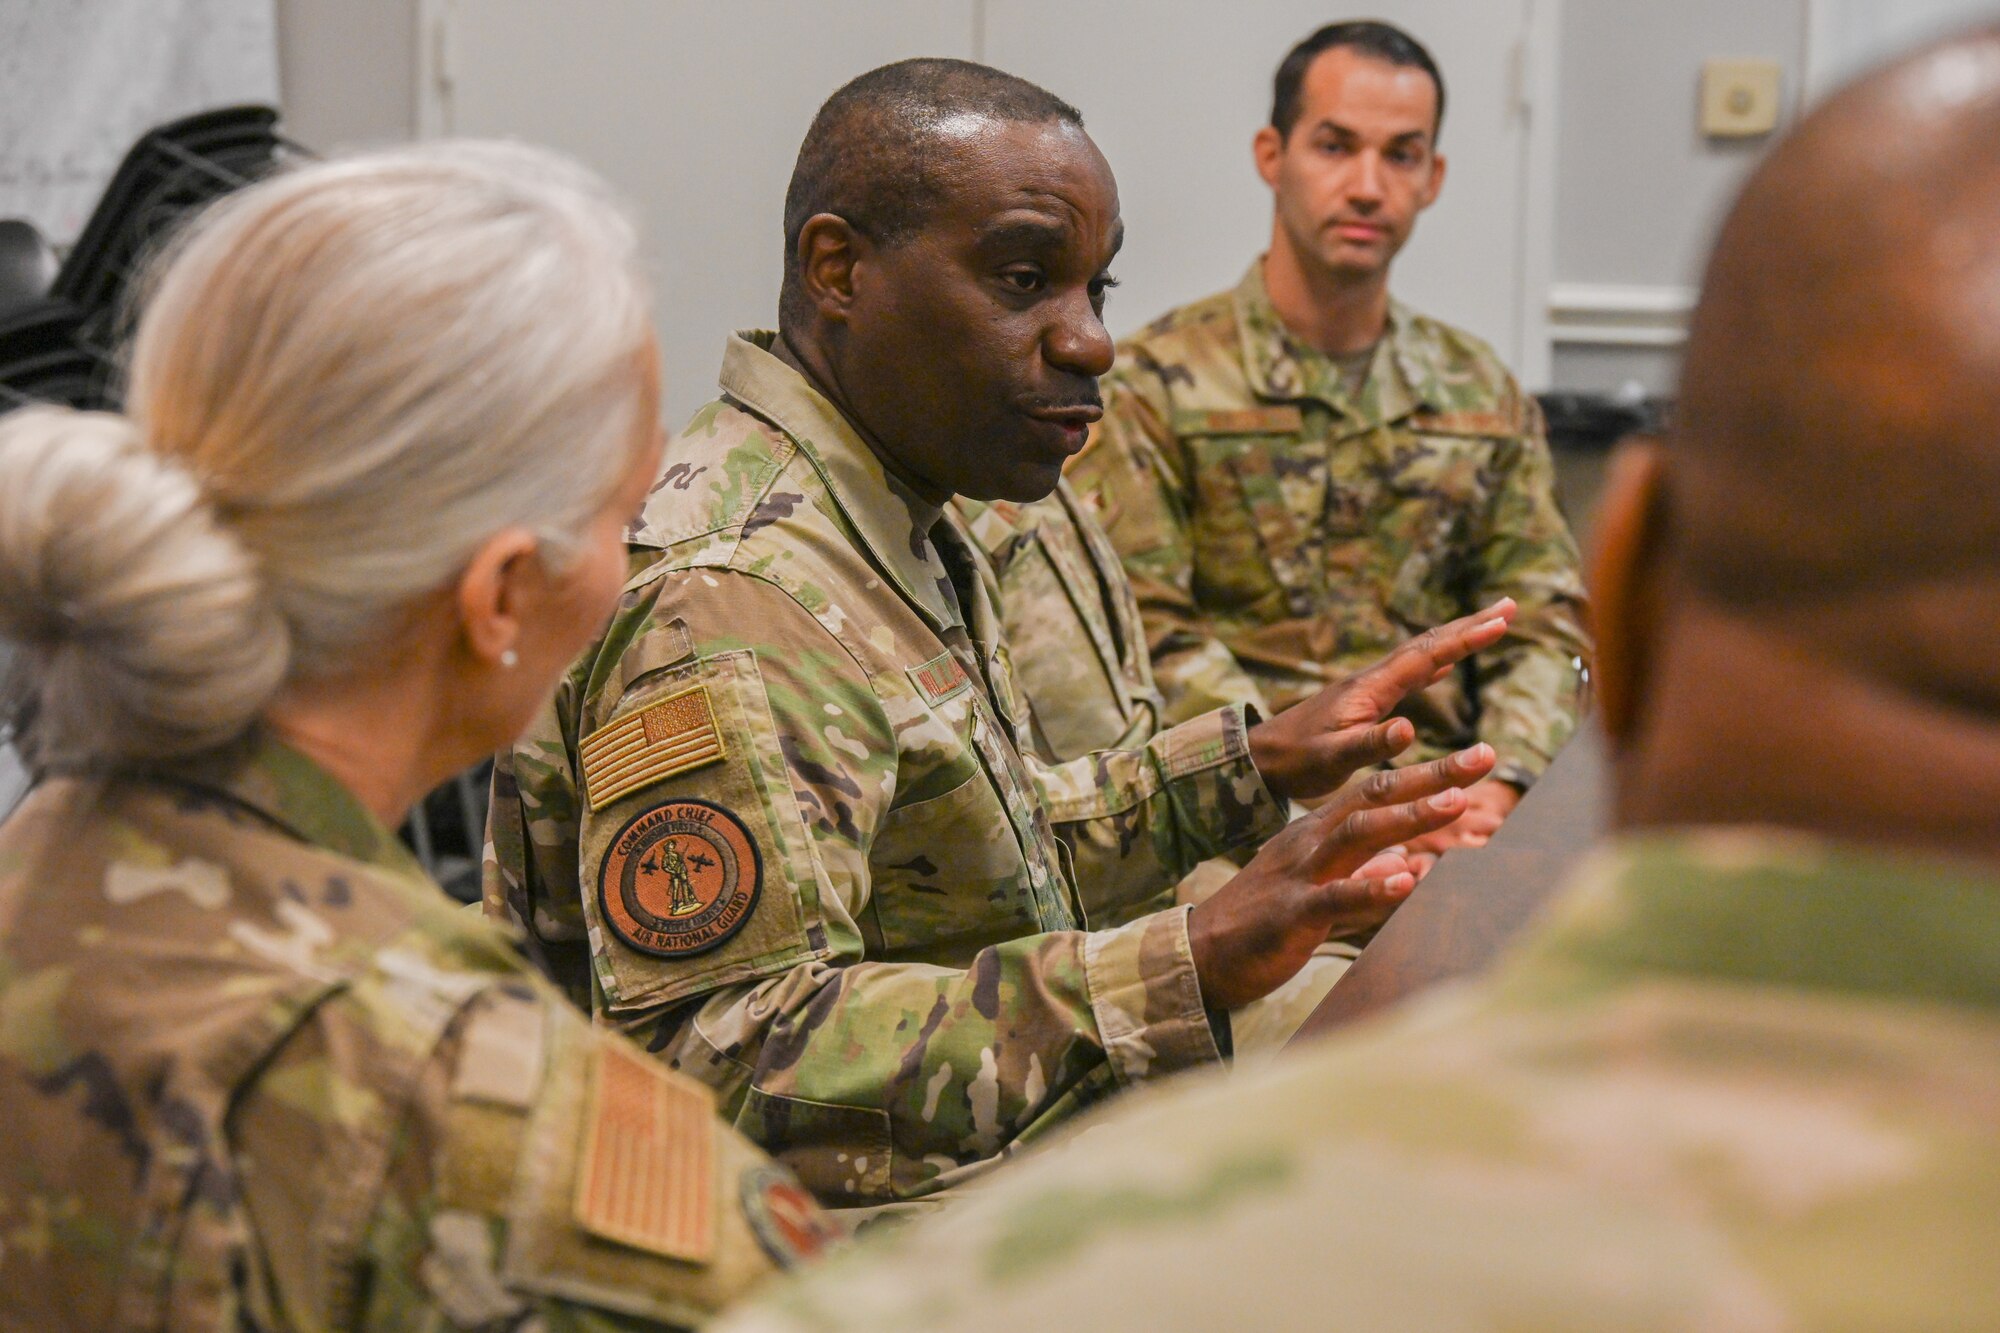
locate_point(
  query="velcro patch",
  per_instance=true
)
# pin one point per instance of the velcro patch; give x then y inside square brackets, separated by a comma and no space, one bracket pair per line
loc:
[1467,423]
[669,737]
[940,678]
[647,1178]
[501,1056]
[680,879]
[1241,421]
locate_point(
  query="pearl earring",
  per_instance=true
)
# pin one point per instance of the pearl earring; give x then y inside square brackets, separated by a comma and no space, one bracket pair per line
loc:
[510,658]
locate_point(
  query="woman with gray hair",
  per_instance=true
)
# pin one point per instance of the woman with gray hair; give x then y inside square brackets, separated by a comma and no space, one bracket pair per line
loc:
[388,419]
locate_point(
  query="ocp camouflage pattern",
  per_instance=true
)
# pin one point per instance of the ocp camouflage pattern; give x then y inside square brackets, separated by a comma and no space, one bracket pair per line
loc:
[1256,505]
[1741,1079]
[914,992]
[256,1071]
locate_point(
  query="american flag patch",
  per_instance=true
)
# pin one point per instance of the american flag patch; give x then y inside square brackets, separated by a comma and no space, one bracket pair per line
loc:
[647,1178]
[939,678]
[672,736]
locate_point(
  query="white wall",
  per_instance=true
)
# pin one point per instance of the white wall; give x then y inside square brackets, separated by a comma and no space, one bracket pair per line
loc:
[699,117]
[1173,91]
[695,108]
[347,71]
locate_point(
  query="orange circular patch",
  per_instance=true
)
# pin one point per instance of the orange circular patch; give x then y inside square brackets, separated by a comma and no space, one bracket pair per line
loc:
[785,1219]
[679,879]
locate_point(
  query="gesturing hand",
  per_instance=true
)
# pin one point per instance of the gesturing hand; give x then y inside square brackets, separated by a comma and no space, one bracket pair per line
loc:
[1312,747]
[1337,869]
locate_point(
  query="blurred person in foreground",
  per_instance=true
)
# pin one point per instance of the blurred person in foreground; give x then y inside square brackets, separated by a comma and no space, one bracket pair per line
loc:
[388,419]
[1747,1074]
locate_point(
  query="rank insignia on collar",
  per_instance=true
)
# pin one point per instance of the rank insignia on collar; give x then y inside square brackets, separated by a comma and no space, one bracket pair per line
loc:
[679,879]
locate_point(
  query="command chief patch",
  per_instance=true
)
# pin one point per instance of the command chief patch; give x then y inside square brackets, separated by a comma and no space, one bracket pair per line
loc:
[679,879]
[672,736]
[647,1176]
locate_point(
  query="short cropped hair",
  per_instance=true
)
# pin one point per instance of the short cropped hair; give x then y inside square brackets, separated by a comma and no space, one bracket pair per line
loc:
[1382,41]
[873,151]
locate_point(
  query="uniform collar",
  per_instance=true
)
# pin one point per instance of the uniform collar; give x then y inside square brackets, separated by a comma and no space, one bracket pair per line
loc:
[893,523]
[1776,907]
[302,799]
[1403,378]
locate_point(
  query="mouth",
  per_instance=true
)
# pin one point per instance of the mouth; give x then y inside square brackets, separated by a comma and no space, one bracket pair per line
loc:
[1072,422]
[1364,232]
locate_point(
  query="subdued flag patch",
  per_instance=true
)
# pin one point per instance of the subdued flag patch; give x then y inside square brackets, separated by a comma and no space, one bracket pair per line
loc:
[669,737]
[940,678]
[647,1177]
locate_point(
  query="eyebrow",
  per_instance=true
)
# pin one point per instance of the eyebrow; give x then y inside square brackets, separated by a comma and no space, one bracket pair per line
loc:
[1026,232]
[1404,137]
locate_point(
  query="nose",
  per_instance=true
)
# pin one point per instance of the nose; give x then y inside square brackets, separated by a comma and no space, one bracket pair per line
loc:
[1364,185]
[1077,341]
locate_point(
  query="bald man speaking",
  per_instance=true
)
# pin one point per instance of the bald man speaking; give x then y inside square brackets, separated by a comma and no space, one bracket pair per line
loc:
[1747,1075]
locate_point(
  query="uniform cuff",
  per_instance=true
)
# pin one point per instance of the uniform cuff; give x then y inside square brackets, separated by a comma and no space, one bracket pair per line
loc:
[1213,782]
[1146,998]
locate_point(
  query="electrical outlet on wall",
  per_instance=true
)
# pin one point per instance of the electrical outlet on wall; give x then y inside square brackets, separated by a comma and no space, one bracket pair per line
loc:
[1739,98]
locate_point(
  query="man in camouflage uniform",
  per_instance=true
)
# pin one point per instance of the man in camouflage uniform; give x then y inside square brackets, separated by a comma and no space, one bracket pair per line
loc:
[807,693]
[1308,471]
[256,1071]
[1747,1075]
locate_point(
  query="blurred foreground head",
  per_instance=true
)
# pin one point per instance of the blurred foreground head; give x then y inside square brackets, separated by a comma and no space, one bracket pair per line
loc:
[1799,591]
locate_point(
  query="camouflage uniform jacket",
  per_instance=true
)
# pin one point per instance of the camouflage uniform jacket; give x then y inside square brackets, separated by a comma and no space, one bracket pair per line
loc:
[1077,647]
[257,1072]
[1255,502]
[865,936]
[1741,1080]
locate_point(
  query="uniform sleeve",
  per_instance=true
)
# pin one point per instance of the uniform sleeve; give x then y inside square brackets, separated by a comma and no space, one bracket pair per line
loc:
[1529,685]
[1138,821]
[529,873]
[541,1169]
[1133,476]
[784,985]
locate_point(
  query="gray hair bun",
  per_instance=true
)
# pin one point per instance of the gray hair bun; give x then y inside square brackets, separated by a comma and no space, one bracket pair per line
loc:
[140,620]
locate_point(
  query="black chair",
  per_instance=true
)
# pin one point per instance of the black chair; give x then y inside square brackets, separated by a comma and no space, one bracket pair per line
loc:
[44,358]
[27,265]
[170,172]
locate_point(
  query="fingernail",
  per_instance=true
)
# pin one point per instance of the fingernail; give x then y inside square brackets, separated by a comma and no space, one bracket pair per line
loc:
[1446,800]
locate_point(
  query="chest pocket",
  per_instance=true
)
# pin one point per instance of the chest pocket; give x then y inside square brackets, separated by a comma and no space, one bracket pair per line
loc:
[1260,492]
[974,864]
[1436,483]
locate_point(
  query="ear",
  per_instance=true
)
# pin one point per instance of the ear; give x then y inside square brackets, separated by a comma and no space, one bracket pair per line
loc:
[1267,147]
[1435,185]
[829,249]
[496,591]
[1624,582]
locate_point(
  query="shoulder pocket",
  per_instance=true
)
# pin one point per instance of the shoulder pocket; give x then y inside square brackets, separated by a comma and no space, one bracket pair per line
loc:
[698,871]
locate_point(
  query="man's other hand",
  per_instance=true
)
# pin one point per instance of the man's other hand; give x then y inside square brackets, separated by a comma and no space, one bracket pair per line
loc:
[1314,746]
[1339,869]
